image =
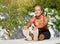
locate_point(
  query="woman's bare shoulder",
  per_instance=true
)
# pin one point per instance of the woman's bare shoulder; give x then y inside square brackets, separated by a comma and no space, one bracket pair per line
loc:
[45,17]
[32,19]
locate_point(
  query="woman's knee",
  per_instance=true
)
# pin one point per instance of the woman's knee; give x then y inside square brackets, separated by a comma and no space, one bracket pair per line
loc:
[41,37]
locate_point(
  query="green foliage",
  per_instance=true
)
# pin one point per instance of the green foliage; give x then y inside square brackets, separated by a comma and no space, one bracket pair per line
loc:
[54,17]
[16,16]
[49,3]
[18,9]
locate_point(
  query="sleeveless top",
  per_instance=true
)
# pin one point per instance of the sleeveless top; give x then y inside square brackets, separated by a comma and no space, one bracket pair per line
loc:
[43,28]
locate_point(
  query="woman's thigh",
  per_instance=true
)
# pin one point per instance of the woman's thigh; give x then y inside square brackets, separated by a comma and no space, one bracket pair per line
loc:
[45,33]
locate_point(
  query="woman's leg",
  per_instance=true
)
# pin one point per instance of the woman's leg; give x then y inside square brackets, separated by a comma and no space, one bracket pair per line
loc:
[35,33]
[41,37]
[47,34]
[26,34]
[44,35]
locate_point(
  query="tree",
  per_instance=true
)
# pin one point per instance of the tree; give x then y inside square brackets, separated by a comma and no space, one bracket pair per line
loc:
[16,13]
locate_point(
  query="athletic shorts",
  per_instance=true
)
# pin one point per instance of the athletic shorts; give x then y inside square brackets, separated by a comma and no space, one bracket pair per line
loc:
[46,33]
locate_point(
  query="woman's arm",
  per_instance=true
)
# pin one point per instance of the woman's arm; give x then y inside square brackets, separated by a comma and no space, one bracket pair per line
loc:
[29,23]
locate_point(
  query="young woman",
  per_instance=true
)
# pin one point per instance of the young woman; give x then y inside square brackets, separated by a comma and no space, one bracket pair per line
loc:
[40,25]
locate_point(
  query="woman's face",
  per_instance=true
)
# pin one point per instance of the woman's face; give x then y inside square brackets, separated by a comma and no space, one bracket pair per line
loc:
[38,11]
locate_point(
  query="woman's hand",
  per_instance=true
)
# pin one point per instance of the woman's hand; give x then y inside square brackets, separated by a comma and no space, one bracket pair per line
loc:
[35,28]
[25,27]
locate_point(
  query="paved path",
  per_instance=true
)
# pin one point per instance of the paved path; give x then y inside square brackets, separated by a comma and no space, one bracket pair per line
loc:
[22,41]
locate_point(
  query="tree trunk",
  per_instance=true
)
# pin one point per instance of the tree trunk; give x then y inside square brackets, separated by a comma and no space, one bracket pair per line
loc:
[8,34]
